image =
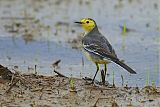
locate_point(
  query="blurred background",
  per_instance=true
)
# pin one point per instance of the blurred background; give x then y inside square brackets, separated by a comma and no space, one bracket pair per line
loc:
[40,32]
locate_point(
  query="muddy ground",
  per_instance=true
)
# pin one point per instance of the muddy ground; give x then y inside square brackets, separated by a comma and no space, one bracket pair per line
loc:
[31,90]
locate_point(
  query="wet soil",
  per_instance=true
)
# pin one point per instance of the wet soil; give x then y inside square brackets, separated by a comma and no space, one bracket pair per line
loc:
[31,90]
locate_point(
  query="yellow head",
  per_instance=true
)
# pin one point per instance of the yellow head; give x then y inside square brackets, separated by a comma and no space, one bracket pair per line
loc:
[87,23]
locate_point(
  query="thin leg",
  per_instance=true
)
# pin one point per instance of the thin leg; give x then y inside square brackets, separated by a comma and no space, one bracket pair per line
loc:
[103,76]
[97,65]
[105,70]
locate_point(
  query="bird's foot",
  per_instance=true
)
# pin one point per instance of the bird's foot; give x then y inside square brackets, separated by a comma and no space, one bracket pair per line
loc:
[104,83]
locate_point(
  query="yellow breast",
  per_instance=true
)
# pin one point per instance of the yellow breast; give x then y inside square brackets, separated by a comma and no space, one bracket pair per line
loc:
[95,58]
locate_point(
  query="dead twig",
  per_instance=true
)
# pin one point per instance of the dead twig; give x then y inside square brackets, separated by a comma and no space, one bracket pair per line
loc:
[12,86]
[55,64]
[40,97]
[95,104]
[59,74]
[37,89]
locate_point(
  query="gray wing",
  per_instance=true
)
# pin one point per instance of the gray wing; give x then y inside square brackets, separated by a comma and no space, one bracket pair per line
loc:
[99,45]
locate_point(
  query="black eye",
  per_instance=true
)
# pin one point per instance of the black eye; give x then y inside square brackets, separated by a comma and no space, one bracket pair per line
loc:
[87,21]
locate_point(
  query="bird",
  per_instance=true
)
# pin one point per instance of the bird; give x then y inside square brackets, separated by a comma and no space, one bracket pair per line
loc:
[97,48]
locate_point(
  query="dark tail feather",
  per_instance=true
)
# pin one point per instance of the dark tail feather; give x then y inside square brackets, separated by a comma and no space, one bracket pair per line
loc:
[116,60]
[125,66]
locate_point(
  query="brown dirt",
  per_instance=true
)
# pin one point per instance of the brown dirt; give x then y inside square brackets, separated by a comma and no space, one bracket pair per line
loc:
[32,90]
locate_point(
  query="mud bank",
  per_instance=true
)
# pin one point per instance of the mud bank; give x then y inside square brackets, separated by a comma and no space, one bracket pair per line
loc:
[25,90]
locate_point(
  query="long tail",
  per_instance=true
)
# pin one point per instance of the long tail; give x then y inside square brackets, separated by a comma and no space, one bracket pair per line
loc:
[102,53]
[124,66]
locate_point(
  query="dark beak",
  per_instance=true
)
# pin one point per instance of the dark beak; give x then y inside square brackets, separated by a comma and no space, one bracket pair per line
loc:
[78,22]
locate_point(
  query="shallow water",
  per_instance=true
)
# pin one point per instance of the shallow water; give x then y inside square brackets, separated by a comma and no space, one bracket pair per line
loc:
[50,26]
